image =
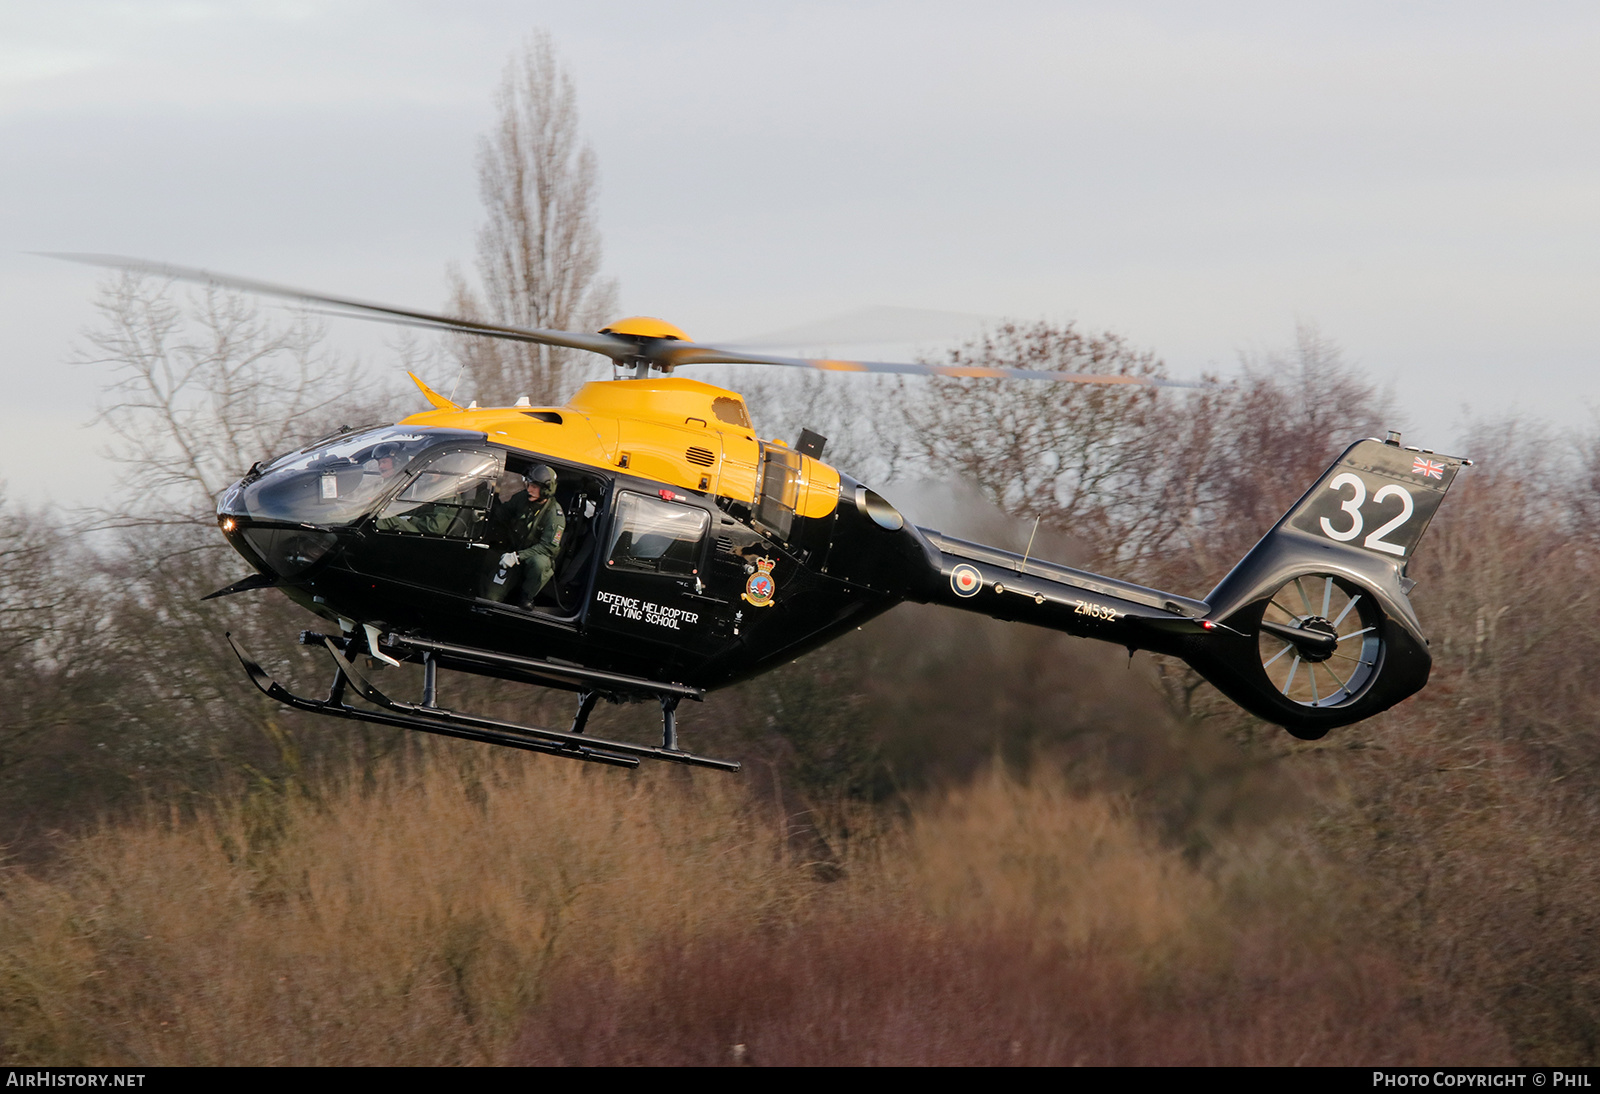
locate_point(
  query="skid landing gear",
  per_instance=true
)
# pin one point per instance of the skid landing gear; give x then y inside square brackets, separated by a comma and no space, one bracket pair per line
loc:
[428,717]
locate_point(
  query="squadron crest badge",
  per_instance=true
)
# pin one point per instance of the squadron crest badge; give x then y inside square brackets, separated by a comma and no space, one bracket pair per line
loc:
[761,588]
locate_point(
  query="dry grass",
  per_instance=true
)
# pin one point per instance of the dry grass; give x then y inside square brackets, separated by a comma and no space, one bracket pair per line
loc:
[884,990]
[1018,924]
[518,911]
[411,926]
[1073,870]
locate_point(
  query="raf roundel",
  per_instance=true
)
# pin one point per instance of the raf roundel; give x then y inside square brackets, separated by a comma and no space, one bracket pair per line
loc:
[966,580]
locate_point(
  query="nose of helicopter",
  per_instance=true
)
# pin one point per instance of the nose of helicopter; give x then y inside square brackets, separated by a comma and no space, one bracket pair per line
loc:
[288,516]
[276,551]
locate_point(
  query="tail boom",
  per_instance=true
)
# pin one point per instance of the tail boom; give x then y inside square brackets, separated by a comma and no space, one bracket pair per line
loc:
[1311,630]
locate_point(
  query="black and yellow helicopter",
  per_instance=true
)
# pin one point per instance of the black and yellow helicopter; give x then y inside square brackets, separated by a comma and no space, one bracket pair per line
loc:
[696,554]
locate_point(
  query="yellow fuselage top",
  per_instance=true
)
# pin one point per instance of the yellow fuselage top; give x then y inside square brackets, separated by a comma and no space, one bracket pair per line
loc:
[677,431]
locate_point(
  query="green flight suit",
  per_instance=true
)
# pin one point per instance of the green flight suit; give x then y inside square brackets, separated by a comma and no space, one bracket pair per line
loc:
[531,530]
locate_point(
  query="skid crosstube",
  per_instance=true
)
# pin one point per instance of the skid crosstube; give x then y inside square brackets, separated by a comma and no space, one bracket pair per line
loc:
[450,723]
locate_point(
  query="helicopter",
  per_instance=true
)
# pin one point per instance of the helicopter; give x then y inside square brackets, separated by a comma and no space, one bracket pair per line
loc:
[695,554]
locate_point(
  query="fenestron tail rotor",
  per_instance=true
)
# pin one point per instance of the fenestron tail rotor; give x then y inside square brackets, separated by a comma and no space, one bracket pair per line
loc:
[639,343]
[1320,640]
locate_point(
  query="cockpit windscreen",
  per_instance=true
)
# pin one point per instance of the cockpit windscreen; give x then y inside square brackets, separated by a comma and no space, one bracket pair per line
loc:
[336,482]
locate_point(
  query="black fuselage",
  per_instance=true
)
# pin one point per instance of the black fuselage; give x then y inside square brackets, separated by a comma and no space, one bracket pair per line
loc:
[660,584]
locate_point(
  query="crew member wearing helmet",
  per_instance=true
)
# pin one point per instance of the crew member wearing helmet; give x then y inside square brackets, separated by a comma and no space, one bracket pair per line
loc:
[382,466]
[528,530]
[383,460]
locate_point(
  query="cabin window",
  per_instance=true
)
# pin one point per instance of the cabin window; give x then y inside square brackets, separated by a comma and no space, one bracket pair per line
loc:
[657,536]
[780,489]
[449,497]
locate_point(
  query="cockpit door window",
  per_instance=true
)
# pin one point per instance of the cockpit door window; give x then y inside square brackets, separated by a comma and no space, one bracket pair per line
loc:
[449,497]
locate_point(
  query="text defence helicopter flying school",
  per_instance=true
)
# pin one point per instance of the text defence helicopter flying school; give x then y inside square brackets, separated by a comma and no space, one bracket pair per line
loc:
[662,550]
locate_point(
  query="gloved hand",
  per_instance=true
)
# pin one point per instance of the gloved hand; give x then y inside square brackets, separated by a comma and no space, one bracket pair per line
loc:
[508,560]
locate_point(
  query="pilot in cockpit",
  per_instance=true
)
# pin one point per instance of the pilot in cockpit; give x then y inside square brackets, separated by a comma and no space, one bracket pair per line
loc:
[383,465]
[378,471]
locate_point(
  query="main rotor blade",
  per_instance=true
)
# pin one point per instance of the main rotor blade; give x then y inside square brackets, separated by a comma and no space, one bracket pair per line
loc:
[665,354]
[608,345]
[672,355]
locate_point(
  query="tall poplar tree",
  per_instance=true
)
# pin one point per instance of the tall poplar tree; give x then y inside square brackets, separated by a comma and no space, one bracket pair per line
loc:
[538,258]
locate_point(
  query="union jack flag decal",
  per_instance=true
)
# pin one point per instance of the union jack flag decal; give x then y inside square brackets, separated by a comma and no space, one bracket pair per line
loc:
[1428,469]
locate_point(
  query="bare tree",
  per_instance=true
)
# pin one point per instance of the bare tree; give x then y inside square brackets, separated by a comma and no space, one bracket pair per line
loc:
[200,392]
[1230,460]
[1176,483]
[539,250]
[1069,454]
[860,415]
[202,384]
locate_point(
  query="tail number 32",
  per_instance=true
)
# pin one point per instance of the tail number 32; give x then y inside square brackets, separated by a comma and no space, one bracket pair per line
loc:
[1352,505]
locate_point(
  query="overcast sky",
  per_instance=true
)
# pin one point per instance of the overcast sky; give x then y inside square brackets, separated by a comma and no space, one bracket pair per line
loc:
[1422,181]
